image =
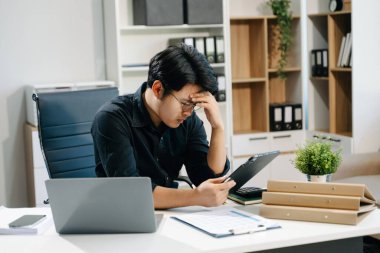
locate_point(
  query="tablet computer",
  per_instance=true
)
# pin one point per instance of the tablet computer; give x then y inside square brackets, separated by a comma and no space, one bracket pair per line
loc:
[250,168]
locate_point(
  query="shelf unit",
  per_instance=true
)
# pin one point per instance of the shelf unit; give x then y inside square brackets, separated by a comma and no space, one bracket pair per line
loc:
[130,47]
[330,98]
[135,45]
[254,57]
[255,85]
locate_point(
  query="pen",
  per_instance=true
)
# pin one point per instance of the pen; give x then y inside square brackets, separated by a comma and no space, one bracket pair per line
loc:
[241,231]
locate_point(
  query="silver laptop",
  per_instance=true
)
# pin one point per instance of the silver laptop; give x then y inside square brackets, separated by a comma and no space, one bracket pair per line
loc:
[102,205]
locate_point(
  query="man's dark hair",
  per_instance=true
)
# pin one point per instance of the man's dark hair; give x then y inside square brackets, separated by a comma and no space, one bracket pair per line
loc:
[179,65]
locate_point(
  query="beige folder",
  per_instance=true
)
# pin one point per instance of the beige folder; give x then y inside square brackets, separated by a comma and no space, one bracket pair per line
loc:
[349,217]
[340,189]
[320,202]
[317,200]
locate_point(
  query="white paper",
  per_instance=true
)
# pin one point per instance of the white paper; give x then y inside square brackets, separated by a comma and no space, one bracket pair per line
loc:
[189,41]
[221,83]
[278,114]
[298,114]
[325,58]
[210,45]
[223,220]
[220,45]
[288,114]
[200,45]
[319,58]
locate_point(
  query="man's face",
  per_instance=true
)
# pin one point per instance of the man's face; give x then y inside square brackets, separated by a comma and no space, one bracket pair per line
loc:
[177,106]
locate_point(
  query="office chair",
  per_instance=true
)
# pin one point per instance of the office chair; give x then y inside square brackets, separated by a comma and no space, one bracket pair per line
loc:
[64,125]
[185,179]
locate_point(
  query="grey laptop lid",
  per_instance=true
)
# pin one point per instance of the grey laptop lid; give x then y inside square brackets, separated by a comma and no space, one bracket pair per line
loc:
[102,205]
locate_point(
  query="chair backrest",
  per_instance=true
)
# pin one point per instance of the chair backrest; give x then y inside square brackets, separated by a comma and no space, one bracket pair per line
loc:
[64,126]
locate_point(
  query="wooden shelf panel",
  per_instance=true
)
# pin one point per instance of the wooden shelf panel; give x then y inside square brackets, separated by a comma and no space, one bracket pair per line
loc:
[258,17]
[134,28]
[289,69]
[337,13]
[273,43]
[319,78]
[341,70]
[249,80]
[247,18]
[343,102]
[285,90]
[348,134]
[340,83]
[249,107]
[146,68]
[247,43]
[251,131]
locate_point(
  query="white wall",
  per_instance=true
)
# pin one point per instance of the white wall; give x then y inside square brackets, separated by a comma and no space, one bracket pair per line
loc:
[41,41]
[366,76]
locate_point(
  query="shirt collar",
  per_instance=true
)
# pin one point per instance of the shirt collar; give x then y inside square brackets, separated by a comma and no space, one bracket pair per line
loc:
[141,117]
[140,113]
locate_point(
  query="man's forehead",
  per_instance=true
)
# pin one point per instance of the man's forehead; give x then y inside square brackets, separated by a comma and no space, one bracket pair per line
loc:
[190,89]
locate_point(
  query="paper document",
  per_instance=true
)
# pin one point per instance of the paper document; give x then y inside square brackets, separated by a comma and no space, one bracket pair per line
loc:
[226,221]
[7,215]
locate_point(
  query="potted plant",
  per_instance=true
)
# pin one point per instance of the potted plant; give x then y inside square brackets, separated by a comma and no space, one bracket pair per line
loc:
[317,160]
[281,9]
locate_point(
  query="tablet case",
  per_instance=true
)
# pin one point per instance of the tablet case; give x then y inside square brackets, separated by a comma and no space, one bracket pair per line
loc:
[250,168]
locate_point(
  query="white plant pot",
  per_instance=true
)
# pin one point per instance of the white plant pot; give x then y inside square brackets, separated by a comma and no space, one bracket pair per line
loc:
[319,178]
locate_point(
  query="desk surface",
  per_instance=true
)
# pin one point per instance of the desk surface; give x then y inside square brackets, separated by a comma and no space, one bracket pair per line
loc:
[173,236]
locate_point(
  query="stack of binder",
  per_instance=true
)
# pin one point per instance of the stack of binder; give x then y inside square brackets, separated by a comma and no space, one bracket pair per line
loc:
[318,202]
[285,116]
[212,47]
[319,62]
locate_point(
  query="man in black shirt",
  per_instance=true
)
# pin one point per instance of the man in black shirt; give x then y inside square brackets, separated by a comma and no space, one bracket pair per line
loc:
[155,131]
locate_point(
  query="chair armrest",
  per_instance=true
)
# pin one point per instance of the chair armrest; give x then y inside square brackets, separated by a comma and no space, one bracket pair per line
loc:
[358,165]
[186,180]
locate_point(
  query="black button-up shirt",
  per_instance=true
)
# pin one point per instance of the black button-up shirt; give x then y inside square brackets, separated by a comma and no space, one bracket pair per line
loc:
[127,144]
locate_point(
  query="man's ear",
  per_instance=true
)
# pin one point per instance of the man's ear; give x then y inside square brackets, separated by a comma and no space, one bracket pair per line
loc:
[158,89]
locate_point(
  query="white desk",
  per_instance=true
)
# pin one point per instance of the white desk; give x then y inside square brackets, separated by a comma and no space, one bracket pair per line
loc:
[173,236]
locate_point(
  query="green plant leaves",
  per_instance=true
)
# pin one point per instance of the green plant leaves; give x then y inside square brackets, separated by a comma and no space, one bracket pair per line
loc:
[281,8]
[317,158]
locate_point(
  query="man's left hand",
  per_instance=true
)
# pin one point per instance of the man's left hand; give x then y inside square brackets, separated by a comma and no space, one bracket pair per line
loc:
[207,101]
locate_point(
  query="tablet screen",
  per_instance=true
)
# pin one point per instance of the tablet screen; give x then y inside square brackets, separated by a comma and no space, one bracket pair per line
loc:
[250,168]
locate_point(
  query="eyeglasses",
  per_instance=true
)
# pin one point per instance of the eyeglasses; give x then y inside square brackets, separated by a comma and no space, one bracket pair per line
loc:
[187,106]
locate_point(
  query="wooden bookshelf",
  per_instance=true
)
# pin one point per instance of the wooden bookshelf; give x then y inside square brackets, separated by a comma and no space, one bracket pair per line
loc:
[255,84]
[332,108]
[340,83]
[247,44]
[250,115]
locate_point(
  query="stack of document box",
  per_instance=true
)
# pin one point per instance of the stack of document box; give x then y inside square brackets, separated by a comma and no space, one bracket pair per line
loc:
[319,202]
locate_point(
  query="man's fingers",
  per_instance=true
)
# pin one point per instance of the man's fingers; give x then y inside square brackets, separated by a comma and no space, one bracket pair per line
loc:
[226,186]
[199,100]
[217,180]
[200,94]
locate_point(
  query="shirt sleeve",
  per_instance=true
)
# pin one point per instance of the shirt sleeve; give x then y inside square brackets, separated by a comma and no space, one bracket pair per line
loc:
[196,154]
[113,145]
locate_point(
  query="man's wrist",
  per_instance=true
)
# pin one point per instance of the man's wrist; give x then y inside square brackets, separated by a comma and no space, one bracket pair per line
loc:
[194,197]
